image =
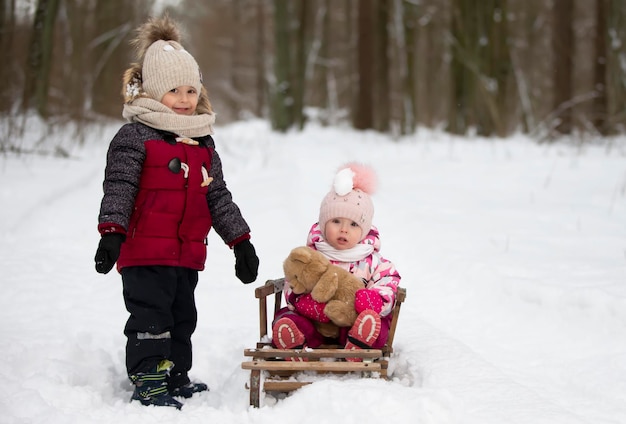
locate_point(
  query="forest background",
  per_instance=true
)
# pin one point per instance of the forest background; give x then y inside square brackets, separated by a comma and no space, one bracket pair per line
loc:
[488,67]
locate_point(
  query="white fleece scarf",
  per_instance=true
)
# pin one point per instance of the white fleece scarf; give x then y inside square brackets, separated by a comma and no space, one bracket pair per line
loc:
[358,252]
[156,115]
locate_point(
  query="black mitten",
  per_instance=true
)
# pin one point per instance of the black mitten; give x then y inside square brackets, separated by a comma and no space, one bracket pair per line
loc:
[246,262]
[108,251]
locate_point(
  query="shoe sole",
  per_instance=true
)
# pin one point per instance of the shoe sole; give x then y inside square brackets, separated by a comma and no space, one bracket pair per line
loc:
[365,330]
[188,392]
[288,336]
[168,403]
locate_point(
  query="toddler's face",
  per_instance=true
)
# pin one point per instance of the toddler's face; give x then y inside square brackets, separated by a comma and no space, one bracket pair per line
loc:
[342,233]
[182,100]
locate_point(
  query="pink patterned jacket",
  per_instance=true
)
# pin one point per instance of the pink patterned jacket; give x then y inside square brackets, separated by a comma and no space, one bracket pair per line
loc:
[377,273]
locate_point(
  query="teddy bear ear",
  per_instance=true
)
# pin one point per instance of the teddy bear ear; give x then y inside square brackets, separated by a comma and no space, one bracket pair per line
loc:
[301,254]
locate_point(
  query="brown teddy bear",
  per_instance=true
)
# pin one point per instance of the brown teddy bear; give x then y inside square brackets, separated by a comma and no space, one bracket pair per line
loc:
[309,271]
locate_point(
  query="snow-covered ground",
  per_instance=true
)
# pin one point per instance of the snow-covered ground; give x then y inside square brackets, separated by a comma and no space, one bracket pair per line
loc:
[513,255]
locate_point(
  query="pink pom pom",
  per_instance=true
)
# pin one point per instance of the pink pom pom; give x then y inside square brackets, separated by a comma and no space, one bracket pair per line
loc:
[364,177]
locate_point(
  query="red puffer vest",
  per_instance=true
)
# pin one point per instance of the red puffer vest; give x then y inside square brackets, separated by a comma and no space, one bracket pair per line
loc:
[170,219]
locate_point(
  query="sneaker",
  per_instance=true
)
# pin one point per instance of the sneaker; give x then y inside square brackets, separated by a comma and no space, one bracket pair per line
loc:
[363,333]
[188,390]
[151,387]
[286,335]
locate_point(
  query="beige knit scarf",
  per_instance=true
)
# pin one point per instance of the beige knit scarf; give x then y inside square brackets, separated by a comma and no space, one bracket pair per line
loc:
[156,115]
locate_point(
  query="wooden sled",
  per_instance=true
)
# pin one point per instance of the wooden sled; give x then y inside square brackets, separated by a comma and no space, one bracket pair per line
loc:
[270,372]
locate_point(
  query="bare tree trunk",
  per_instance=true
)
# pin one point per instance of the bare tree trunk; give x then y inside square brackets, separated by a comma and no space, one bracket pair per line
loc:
[324,61]
[381,67]
[299,76]
[432,63]
[352,54]
[364,117]
[7,28]
[282,100]
[600,102]
[617,66]
[261,86]
[409,12]
[495,70]
[562,45]
[462,55]
[235,99]
[40,57]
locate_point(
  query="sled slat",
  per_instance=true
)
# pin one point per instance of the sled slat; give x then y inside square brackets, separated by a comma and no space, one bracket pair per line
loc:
[284,386]
[311,366]
[314,353]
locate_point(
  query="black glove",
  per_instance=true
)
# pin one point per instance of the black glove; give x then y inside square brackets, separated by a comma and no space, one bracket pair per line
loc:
[246,262]
[108,251]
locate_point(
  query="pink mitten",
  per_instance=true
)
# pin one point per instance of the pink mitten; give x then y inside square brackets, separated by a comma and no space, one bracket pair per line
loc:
[368,299]
[311,308]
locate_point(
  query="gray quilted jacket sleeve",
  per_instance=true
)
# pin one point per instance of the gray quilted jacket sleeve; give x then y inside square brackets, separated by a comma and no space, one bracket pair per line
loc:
[228,221]
[121,175]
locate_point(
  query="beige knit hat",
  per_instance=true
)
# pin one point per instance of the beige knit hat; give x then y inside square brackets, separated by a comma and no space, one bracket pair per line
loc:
[161,64]
[168,65]
[350,197]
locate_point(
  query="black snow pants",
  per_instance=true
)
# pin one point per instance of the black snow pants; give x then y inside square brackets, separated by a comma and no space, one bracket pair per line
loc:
[163,316]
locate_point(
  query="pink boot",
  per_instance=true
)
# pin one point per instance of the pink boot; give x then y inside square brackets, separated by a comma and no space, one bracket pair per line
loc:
[286,335]
[364,332]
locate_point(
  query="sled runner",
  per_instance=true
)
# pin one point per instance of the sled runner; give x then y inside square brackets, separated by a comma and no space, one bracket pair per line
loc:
[272,371]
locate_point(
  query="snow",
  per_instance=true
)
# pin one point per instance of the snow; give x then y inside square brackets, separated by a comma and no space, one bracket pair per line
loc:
[513,255]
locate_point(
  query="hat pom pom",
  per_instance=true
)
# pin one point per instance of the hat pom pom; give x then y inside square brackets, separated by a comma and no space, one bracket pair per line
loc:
[355,176]
[343,182]
[153,30]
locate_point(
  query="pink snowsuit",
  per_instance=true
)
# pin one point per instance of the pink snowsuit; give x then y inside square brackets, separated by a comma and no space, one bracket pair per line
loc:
[376,272]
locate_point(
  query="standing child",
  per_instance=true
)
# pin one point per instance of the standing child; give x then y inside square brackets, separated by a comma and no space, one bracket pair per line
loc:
[163,190]
[346,236]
